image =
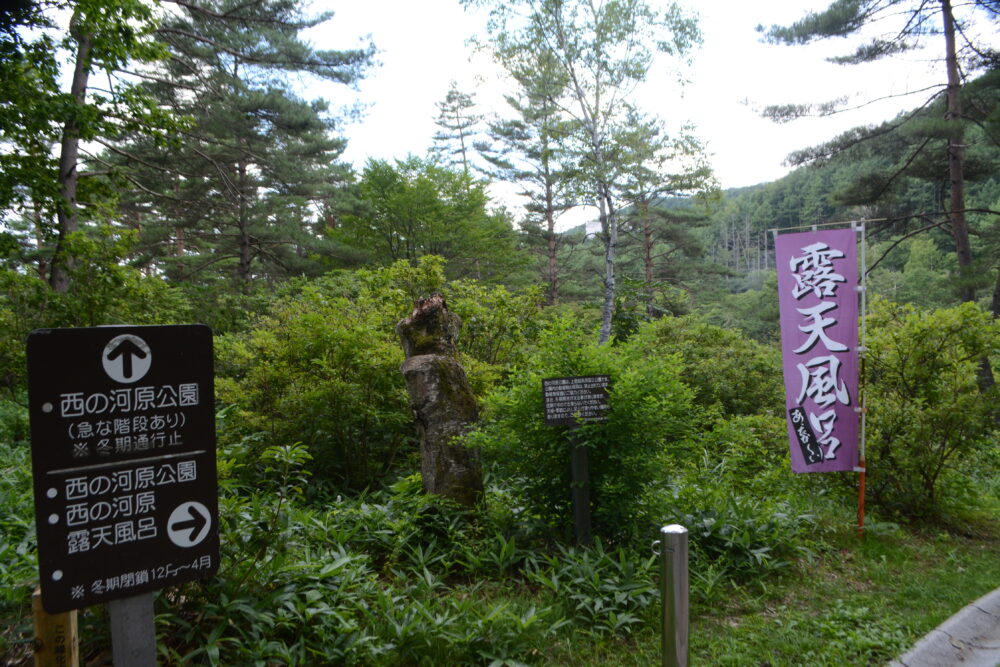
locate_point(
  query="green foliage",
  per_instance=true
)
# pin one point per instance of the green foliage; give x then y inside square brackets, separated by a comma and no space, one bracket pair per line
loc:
[855,632]
[416,207]
[747,515]
[357,582]
[916,271]
[602,592]
[18,553]
[14,426]
[746,454]
[637,302]
[753,311]
[737,537]
[104,290]
[321,367]
[727,371]
[497,326]
[651,411]
[928,417]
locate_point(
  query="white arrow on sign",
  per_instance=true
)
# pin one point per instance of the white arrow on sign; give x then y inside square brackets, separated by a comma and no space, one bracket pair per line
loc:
[126,358]
[189,524]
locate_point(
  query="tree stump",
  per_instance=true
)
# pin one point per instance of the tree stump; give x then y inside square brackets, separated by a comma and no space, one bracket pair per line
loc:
[441,399]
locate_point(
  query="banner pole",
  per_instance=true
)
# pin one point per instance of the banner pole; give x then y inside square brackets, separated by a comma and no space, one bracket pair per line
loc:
[863,353]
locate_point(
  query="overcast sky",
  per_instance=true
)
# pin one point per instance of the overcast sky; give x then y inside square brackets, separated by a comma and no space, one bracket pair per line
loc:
[423,46]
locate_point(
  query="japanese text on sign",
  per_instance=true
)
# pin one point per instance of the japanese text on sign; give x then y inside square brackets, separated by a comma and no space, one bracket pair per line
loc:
[570,399]
[123,460]
[819,344]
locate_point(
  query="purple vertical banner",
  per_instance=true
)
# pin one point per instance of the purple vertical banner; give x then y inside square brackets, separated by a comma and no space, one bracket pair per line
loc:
[818,299]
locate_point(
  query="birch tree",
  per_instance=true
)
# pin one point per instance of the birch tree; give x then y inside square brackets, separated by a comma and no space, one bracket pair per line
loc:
[604,49]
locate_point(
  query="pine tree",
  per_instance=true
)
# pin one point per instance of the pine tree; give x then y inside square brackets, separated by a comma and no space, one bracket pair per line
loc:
[241,191]
[459,124]
[529,150]
[912,22]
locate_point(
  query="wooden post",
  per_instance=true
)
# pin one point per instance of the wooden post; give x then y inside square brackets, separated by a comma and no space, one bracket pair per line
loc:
[580,476]
[56,639]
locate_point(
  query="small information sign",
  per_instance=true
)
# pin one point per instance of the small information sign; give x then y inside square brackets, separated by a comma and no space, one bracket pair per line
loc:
[570,400]
[123,459]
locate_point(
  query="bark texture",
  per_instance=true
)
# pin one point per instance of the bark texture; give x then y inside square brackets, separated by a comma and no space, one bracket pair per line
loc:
[442,400]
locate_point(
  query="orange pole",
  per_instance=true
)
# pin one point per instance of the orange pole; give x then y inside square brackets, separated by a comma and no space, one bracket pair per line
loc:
[862,464]
[861,500]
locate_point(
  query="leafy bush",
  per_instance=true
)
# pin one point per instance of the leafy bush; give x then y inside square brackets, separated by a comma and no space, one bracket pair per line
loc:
[723,367]
[651,411]
[103,291]
[602,592]
[732,488]
[928,418]
[735,536]
[747,454]
[18,554]
[366,581]
[323,371]
[14,426]
[322,366]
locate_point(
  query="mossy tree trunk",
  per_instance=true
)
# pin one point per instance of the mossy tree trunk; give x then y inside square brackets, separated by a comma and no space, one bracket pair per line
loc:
[442,401]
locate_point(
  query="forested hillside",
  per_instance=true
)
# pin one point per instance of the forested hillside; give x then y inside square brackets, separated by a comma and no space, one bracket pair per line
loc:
[166,163]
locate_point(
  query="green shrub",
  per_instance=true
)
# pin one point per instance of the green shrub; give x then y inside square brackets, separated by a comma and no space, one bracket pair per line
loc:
[369,581]
[14,426]
[322,371]
[602,592]
[747,454]
[103,291]
[322,366]
[928,421]
[724,368]
[18,556]
[734,536]
[651,412]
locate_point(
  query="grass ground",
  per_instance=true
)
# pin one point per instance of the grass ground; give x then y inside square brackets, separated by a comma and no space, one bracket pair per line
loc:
[861,603]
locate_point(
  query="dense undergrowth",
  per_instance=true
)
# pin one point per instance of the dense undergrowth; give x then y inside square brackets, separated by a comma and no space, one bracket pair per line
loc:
[332,554]
[399,578]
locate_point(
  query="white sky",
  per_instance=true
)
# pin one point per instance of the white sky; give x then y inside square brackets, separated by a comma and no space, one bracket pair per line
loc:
[422,48]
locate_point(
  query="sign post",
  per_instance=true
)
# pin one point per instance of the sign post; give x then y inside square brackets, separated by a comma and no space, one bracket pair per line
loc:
[56,636]
[568,402]
[123,460]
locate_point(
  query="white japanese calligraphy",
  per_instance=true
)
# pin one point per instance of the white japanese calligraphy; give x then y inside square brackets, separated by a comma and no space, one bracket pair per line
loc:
[814,271]
[821,384]
[816,328]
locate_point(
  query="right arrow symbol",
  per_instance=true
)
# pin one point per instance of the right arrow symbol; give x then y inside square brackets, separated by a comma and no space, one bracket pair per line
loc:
[126,349]
[190,516]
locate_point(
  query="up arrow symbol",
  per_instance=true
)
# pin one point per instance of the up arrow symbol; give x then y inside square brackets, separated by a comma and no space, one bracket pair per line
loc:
[126,349]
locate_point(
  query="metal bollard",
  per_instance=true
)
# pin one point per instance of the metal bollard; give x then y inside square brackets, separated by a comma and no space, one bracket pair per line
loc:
[674,583]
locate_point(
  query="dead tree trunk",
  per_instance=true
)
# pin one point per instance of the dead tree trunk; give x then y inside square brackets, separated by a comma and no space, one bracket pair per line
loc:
[441,399]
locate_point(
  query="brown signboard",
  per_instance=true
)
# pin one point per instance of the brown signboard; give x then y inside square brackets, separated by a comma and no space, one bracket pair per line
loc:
[570,400]
[123,459]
